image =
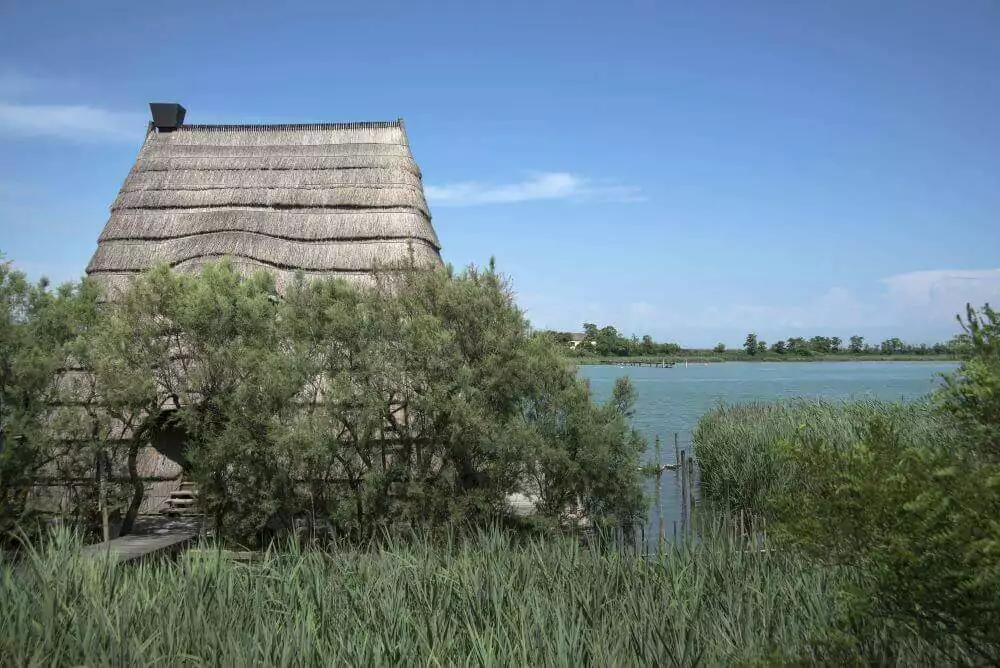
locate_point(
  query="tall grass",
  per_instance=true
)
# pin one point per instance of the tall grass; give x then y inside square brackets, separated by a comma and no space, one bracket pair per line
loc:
[739,447]
[488,601]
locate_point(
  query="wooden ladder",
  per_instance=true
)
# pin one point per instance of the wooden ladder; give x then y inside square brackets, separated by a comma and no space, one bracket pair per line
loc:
[183,501]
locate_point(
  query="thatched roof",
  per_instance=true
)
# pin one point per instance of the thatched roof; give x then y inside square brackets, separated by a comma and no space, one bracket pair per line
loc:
[327,199]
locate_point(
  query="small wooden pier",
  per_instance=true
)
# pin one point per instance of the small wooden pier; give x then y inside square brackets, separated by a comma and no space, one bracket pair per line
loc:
[627,362]
[137,548]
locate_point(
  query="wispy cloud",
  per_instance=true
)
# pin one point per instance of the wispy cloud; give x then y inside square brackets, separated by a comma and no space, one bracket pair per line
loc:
[541,186]
[915,301]
[944,289]
[21,116]
[68,121]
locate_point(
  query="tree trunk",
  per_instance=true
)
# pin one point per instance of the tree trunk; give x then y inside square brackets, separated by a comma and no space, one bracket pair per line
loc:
[138,489]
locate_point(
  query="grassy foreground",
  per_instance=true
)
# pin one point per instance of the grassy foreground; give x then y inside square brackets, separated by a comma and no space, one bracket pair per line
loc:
[484,602]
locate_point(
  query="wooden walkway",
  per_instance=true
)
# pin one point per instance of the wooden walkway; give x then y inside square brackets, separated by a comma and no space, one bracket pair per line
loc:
[136,548]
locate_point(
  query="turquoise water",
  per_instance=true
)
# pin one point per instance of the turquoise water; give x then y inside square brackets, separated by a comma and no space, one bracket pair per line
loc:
[671,400]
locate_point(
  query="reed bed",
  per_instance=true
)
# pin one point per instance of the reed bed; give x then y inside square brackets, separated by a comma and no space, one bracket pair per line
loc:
[488,600]
[739,447]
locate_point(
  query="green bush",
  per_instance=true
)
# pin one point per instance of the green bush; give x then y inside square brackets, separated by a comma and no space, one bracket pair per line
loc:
[919,522]
[972,394]
[424,399]
[38,329]
[739,447]
[905,496]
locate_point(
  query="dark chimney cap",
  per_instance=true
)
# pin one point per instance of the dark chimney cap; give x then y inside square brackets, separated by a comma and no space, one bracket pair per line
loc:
[167,116]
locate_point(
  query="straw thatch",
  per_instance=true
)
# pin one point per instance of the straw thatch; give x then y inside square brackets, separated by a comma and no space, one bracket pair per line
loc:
[327,199]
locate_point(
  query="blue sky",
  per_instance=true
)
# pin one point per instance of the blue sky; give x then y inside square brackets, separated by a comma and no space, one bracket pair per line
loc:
[690,170]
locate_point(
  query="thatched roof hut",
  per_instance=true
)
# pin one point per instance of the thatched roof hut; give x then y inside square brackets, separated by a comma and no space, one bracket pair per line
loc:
[326,198]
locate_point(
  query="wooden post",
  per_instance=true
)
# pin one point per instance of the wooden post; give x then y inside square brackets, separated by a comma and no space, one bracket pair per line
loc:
[677,452]
[691,482]
[659,491]
[683,468]
[102,503]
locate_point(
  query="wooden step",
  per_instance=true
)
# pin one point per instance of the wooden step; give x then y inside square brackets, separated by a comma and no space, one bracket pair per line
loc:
[184,494]
[179,512]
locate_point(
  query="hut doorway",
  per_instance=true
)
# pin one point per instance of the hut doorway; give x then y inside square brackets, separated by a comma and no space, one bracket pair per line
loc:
[170,441]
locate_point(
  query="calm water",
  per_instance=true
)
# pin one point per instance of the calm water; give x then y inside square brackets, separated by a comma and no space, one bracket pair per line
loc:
[672,400]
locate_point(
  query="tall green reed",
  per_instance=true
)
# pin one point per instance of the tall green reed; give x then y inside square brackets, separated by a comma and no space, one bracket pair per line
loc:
[739,447]
[487,600]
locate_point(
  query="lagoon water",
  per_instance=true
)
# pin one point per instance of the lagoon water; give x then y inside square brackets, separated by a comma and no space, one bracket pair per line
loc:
[671,400]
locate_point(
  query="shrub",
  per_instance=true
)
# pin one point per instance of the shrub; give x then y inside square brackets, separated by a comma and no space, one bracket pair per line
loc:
[919,521]
[423,400]
[972,394]
[739,447]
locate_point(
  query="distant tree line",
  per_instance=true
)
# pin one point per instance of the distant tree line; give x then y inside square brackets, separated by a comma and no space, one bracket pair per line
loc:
[856,345]
[609,342]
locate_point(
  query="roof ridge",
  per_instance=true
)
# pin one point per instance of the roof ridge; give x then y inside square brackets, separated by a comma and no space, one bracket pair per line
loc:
[265,127]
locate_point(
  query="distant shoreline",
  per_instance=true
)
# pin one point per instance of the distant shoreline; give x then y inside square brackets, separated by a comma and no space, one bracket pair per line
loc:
[696,359]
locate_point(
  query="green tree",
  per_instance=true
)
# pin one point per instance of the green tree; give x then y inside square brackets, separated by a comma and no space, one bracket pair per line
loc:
[820,344]
[720,348]
[647,345]
[609,342]
[972,394]
[797,345]
[761,347]
[750,345]
[37,327]
[892,346]
[836,344]
[856,345]
[778,347]
[425,399]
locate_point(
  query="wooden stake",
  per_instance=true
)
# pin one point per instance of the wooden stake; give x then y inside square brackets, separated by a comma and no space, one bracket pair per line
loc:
[659,491]
[101,500]
[690,482]
[683,468]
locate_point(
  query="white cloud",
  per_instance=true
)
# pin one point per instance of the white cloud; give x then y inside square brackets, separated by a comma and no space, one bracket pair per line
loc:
[943,291]
[542,186]
[76,122]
